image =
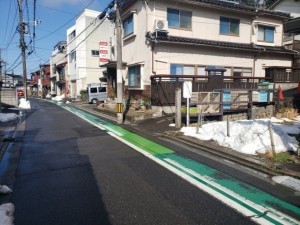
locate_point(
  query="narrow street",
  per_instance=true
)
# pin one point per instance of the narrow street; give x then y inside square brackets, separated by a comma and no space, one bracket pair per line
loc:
[73,172]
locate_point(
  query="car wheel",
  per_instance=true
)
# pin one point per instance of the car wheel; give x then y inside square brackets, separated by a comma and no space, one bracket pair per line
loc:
[94,101]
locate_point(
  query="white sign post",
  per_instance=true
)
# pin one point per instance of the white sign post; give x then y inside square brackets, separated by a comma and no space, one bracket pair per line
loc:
[103,52]
[187,93]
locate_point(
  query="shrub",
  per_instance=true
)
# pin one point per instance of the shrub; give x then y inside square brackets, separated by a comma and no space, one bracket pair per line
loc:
[83,95]
[287,112]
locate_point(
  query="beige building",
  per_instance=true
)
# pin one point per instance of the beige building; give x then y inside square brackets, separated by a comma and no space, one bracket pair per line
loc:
[83,40]
[185,37]
[58,70]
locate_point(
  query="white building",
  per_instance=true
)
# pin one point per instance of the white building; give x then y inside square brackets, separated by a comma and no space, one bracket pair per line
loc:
[83,40]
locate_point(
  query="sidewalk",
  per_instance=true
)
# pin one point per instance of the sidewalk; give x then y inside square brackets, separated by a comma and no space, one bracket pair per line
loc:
[148,123]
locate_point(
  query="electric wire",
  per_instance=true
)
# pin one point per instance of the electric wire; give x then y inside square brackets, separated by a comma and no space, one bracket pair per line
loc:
[64,23]
[7,22]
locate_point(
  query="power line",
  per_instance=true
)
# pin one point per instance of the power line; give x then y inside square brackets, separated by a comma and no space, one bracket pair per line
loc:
[64,23]
[47,7]
[11,30]
[13,64]
[7,22]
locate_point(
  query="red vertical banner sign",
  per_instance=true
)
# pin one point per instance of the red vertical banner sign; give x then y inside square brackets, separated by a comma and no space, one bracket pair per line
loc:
[103,52]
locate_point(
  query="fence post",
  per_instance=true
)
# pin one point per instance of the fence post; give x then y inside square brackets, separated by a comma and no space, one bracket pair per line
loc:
[199,122]
[228,129]
[178,107]
[272,139]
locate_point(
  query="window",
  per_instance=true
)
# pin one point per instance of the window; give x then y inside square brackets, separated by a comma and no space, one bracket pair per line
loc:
[201,71]
[242,72]
[266,34]
[128,26]
[72,35]
[134,76]
[180,18]
[95,53]
[93,90]
[102,89]
[176,69]
[229,26]
[72,56]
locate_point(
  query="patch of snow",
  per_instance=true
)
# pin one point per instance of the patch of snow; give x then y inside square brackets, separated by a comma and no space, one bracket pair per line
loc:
[5,190]
[172,125]
[67,102]
[248,136]
[288,182]
[5,117]
[58,97]
[7,214]
[24,104]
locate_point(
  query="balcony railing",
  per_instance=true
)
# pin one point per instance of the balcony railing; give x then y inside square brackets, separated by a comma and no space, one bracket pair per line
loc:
[283,75]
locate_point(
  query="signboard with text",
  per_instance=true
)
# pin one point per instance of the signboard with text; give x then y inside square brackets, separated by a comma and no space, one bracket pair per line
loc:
[103,52]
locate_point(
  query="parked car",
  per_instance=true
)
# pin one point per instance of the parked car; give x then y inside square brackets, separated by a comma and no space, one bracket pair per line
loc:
[20,93]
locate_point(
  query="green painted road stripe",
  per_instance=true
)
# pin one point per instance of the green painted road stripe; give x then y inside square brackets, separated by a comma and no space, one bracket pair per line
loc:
[240,192]
[250,201]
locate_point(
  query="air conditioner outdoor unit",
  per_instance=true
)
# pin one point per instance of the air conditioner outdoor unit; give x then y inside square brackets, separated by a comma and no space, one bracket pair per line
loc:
[161,25]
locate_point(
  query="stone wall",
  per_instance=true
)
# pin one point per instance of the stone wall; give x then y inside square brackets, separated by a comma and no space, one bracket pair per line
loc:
[258,112]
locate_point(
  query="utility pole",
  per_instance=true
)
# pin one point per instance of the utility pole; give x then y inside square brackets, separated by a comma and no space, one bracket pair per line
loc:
[1,81]
[23,47]
[118,27]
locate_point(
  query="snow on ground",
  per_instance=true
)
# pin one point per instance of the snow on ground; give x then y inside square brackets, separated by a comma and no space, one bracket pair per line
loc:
[288,182]
[249,136]
[6,214]
[5,190]
[58,97]
[5,117]
[24,104]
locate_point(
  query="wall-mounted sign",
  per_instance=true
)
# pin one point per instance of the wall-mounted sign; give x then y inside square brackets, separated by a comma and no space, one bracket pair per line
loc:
[103,52]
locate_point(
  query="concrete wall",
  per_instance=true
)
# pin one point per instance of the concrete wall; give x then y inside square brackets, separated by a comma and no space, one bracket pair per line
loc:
[9,96]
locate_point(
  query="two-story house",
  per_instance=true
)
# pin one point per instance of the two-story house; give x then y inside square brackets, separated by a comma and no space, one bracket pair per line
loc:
[83,49]
[292,26]
[40,81]
[171,37]
[58,68]
[12,80]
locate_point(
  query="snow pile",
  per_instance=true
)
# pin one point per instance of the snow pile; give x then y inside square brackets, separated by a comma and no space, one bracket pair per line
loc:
[248,136]
[288,182]
[5,190]
[24,104]
[5,117]
[59,98]
[6,214]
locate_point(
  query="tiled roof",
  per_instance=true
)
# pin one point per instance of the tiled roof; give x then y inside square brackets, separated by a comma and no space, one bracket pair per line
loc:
[225,4]
[228,6]
[216,44]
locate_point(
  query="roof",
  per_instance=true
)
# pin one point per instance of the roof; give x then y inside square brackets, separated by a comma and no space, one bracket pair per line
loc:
[272,3]
[292,26]
[217,44]
[226,5]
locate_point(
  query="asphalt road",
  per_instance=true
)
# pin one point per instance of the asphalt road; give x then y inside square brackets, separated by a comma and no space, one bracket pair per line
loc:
[71,172]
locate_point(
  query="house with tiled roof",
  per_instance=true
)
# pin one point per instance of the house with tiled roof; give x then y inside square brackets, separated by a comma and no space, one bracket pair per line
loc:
[185,38]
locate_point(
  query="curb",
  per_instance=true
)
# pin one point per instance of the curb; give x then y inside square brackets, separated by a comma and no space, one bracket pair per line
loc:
[229,154]
[226,153]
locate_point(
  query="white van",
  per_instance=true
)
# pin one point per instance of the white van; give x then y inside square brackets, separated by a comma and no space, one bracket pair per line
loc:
[96,92]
